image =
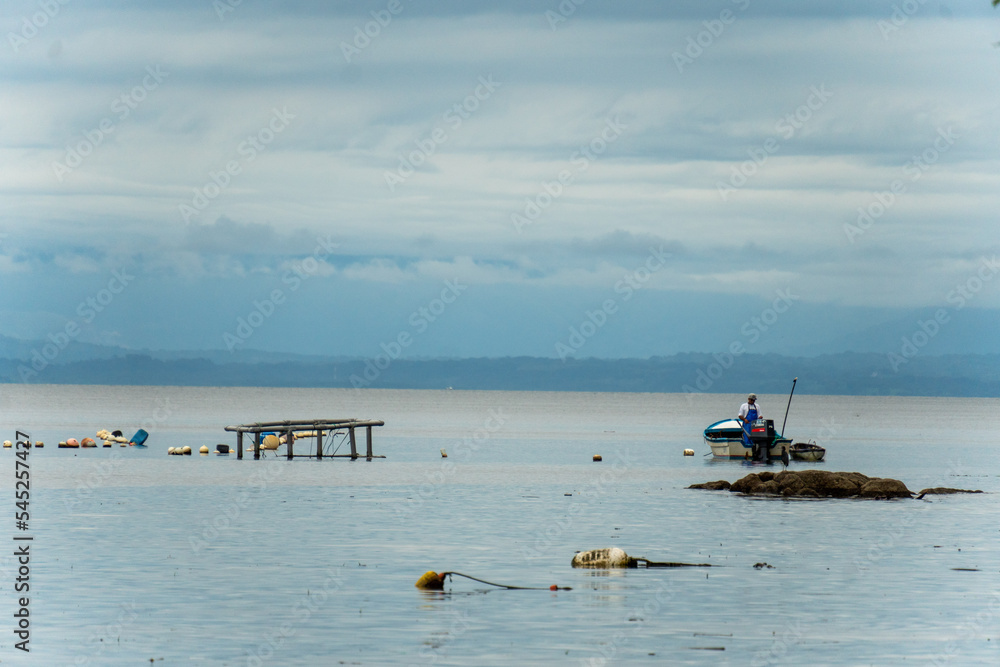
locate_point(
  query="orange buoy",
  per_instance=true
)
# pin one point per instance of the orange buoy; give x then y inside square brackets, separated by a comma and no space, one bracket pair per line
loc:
[431,581]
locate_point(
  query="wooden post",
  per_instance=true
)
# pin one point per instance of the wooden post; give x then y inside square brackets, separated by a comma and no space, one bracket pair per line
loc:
[256,446]
[368,434]
[319,444]
[239,445]
[354,446]
[289,438]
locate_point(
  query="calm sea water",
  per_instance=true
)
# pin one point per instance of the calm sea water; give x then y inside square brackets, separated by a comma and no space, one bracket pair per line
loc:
[207,560]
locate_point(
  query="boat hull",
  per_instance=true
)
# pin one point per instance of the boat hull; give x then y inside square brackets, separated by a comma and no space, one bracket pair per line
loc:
[734,448]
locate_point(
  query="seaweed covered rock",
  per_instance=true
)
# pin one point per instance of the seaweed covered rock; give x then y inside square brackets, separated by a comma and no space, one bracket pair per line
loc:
[814,484]
[943,490]
[830,484]
[721,485]
[746,484]
[884,487]
[767,488]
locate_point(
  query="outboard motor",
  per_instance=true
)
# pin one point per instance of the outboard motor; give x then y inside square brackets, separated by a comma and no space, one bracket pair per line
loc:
[762,436]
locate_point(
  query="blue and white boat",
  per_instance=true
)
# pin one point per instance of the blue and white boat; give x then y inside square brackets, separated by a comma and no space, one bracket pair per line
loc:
[726,439]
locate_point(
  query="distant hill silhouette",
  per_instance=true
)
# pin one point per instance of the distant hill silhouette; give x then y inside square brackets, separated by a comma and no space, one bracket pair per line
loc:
[868,374]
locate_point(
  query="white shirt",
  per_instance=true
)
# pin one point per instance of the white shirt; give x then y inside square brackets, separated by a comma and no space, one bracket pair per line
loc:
[745,408]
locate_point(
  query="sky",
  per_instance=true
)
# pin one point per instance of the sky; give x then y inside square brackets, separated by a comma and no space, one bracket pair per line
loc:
[465,179]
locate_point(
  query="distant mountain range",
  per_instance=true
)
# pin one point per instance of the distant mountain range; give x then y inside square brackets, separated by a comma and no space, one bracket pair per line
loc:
[846,373]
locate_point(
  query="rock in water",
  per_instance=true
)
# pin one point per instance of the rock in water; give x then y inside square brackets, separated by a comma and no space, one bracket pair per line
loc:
[884,488]
[814,484]
[721,485]
[943,490]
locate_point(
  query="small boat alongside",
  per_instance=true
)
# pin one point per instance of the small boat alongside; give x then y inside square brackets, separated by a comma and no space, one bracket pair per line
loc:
[807,451]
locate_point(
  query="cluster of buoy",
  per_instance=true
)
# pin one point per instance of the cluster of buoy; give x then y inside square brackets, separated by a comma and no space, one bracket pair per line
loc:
[110,438]
[203,450]
[7,444]
[73,443]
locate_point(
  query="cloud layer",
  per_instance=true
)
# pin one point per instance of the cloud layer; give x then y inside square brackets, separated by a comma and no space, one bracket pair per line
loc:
[532,153]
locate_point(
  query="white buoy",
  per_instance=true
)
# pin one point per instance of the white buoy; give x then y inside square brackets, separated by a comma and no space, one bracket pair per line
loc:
[8,443]
[203,450]
[170,450]
[187,450]
[688,452]
[39,443]
[603,558]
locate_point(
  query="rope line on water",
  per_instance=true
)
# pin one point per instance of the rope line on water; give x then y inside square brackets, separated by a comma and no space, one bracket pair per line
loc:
[518,588]
[649,563]
[435,581]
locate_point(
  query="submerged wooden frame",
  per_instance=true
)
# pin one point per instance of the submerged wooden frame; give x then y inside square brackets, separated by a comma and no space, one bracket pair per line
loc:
[320,426]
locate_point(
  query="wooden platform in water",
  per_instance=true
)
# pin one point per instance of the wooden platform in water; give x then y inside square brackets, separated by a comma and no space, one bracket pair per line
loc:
[316,428]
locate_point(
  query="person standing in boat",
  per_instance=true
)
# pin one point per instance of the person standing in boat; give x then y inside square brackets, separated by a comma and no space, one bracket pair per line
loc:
[749,413]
